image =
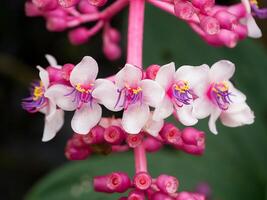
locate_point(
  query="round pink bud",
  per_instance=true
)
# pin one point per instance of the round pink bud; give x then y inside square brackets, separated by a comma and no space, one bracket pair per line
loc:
[183,9]
[31,10]
[228,38]
[97,3]
[58,13]
[204,5]
[134,140]
[210,25]
[161,196]
[113,35]
[112,51]
[194,141]
[66,70]
[238,10]
[185,196]
[114,135]
[167,184]
[72,153]
[172,135]
[95,136]
[226,19]
[55,75]
[152,71]
[136,195]
[68,3]
[241,30]
[79,36]
[56,24]
[86,8]
[45,5]
[142,181]
[152,144]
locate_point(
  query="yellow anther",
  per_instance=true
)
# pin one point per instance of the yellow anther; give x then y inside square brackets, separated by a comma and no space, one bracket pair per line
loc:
[182,86]
[81,89]
[137,90]
[38,92]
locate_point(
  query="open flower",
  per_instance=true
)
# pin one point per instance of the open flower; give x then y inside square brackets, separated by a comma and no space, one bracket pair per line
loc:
[78,96]
[132,94]
[39,102]
[219,98]
[180,87]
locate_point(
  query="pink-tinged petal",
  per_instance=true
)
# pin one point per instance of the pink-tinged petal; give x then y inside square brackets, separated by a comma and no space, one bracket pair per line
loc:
[135,117]
[164,109]
[85,72]
[106,93]
[253,29]
[212,120]
[86,118]
[52,61]
[202,108]
[165,75]
[129,75]
[194,75]
[222,70]
[237,115]
[153,127]
[53,124]
[185,115]
[63,96]
[236,95]
[152,92]
[44,76]
[247,5]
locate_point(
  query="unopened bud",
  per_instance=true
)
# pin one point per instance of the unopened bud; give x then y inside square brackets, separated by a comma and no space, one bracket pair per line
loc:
[183,9]
[172,135]
[210,25]
[136,195]
[161,196]
[152,144]
[31,10]
[134,140]
[97,3]
[142,181]
[194,141]
[114,135]
[66,70]
[86,8]
[112,51]
[167,184]
[68,3]
[79,36]
[226,19]
[95,136]
[151,71]
[45,5]
[56,24]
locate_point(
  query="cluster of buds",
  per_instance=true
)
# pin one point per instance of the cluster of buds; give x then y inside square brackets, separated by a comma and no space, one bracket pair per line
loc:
[143,186]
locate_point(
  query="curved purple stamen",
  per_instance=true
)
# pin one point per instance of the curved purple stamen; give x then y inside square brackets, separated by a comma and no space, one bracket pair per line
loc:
[129,97]
[259,12]
[221,96]
[81,97]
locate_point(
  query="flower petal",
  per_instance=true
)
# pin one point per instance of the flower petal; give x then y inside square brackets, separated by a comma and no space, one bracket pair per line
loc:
[134,118]
[202,108]
[185,115]
[153,127]
[106,93]
[212,120]
[236,95]
[63,96]
[152,92]
[53,124]
[44,76]
[86,118]
[129,74]
[247,5]
[165,75]
[222,70]
[85,72]
[253,29]
[52,61]
[164,109]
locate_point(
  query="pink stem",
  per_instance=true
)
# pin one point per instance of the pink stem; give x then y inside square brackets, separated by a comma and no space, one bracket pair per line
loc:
[96,28]
[134,57]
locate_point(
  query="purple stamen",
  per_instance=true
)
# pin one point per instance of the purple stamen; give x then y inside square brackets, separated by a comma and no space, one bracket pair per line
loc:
[259,12]
[221,95]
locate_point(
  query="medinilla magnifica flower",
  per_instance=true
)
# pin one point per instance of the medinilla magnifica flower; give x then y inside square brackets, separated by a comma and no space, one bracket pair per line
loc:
[220,99]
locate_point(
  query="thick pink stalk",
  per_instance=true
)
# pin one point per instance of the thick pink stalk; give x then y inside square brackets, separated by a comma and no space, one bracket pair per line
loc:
[134,57]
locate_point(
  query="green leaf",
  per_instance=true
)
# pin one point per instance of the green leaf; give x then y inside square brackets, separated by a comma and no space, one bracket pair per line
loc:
[234,163]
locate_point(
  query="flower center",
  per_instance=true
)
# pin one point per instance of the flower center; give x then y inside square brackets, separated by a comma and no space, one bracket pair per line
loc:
[219,93]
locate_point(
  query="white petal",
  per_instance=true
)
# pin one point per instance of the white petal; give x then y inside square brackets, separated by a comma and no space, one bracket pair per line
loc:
[185,115]
[129,75]
[212,120]
[63,96]
[247,5]
[222,70]
[134,118]
[86,118]
[194,75]
[44,76]
[236,95]
[202,108]
[165,75]
[152,92]
[106,93]
[164,109]
[52,61]
[253,29]
[85,72]
[53,124]
[153,127]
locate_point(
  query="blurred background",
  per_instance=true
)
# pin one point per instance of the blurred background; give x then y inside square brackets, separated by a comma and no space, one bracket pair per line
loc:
[235,162]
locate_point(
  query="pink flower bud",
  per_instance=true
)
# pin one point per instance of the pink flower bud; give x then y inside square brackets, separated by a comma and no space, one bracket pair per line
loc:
[151,144]
[113,35]
[114,182]
[167,184]
[58,13]
[189,196]
[66,70]
[183,9]
[134,140]
[136,195]
[241,30]
[238,10]
[151,71]
[79,36]
[226,19]
[55,75]
[171,135]
[97,3]
[142,181]
[31,10]
[68,3]
[112,51]
[86,8]
[72,153]
[210,25]
[56,24]
[228,38]
[114,135]
[45,5]
[203,5]
[161,196]
[194,141]
[95,136]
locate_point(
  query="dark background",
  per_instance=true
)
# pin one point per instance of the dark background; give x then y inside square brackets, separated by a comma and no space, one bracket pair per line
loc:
[24,159]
